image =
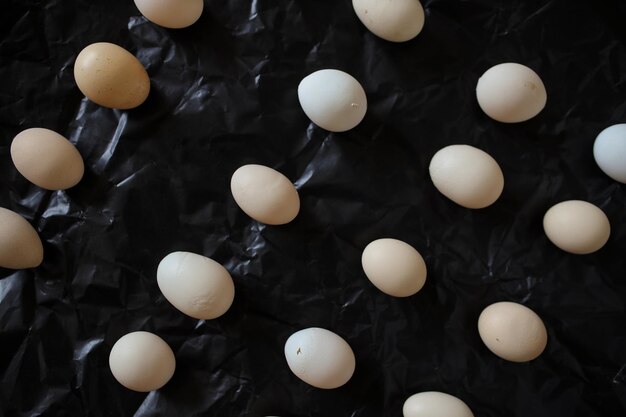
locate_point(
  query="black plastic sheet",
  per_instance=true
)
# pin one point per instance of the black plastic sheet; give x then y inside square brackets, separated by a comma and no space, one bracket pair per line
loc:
[223,95]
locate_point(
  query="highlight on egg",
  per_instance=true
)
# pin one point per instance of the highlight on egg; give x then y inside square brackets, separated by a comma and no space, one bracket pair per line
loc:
[394,267]
[47,159]
[110,76]
[265,194]
[609,151]
[320,358]
[577,227]
[512,331]
[172,14]
[20,245]
[511,93]
[333,100]
[467,175]
[395,21]
[435,404]
[142,361]
[196,285]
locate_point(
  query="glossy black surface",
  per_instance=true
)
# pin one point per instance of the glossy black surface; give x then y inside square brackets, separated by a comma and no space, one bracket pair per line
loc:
[223,95]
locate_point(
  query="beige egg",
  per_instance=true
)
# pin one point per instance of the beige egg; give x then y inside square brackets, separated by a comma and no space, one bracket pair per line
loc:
[47,159]
[111,76]
[394,267]
[265,194]
[173,14]
[142,361]
[577,227]
[20,245]
[435,404]
[196,285]
[320,358]
[511,93]
[512,331]
[466,175]
[395,21]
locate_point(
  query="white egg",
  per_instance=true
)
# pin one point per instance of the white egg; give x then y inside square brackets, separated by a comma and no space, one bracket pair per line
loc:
[395,21]
[320,358]
[609,151]
[512,331]
[577,227]
[511,93]
[196,285]
[333,100]
[265,194]
[394,267]
[466,175]
[142,361]
[435,404]
[173,14]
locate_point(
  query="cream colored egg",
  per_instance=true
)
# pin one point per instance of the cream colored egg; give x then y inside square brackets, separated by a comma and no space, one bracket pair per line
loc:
[577,227]
[196,285]
[395,21]
[20,245]
[111,76]
[47,159]
[333,100]
[394,267]
[265,194]
[512,331]
[435,404]
[320,358]
[466,175]
[173,14]
[511,93]
[142,361]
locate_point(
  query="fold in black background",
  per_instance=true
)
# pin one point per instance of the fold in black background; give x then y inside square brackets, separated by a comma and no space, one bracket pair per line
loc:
[223,95]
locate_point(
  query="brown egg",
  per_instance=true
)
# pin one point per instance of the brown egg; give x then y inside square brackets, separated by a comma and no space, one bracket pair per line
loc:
[20,246]
[111,76]
[47,159]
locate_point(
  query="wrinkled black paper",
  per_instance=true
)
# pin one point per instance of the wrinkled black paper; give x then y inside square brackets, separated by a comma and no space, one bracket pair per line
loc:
[223,95]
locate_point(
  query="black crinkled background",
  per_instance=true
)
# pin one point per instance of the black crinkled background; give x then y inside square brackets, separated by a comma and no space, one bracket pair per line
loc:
[223,95]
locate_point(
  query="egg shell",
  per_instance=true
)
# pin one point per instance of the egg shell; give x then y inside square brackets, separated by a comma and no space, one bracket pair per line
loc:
[609,151]
[47,159]
[142,361]
[20,245]
[435,404]
[512,331]
[320,358]
[394,267]
[265,194]
[111,76]
[511,93]
[395,21]
[172,14]
[196,285]
[467,175]
[577,227]
[333,100]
